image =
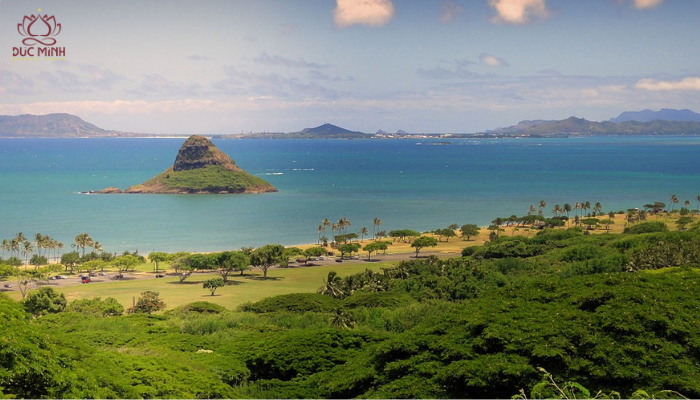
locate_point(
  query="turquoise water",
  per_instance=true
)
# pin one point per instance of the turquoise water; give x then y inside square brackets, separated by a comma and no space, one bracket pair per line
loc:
[406,183]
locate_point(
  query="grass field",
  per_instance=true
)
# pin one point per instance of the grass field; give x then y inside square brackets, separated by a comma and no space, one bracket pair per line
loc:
[250,287]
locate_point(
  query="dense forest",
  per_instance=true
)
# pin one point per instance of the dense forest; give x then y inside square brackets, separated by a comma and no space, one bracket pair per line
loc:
[612,312]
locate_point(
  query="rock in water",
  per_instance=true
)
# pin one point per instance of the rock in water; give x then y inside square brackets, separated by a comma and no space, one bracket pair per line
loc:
[201,168]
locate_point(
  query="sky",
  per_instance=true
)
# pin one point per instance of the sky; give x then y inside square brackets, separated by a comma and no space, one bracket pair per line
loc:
[433,66]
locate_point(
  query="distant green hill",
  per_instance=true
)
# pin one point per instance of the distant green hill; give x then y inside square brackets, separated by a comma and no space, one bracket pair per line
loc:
[200,168]
[50,125]
[581,127]
[325,131]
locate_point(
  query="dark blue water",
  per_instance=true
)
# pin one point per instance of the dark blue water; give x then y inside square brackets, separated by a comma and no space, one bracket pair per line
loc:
[407,183]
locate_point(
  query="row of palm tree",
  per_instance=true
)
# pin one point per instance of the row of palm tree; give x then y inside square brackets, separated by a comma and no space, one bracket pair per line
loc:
[686,204]
[580,208]
[21,246]
[341,227]
[43,245]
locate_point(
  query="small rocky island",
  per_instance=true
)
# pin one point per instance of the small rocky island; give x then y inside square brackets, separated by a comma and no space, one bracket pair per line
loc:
[200,168]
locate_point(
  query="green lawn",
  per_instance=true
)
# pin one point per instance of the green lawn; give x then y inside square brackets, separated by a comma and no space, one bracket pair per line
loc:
[250,287]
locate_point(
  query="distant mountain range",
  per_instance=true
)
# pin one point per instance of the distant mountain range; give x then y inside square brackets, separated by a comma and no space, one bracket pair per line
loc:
[645,122]
[665,114]
[51,125]
[652,123]
[325,131]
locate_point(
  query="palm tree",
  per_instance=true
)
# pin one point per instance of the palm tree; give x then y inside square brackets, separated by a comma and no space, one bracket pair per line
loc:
[326,222]
[531,210]
[27,249]
[377,222]
[82,241]
[335,227]
[15,246]
[586,206]
[597,208]
[698,199]
[342,319]
[332,286]
[98,247]
[5,247]
[577,206]
[363,232]
[674,199]
[556,210]
[543,205]
[320,229]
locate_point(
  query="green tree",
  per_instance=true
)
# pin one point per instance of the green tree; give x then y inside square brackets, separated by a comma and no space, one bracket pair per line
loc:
[70,260]
[682,222]
[94,265]
[213,284]
[158,257]
[7,270]
[590,222]
[422,242]
[315,252]
[38,260]
[232,261]
[469,230]
[373,247]
[148,303]
[44,301]
[446,233]
[267,256]
[125,263]
[288,253]
[348,248]
[607,222]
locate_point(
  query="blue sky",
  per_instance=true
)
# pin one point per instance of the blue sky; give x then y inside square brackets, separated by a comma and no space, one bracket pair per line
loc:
[234,66]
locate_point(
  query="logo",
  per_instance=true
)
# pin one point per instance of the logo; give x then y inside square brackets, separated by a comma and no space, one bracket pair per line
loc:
[41,27]
[38,31]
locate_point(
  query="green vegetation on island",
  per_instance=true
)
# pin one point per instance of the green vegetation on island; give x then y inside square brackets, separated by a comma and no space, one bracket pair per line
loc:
[200,168]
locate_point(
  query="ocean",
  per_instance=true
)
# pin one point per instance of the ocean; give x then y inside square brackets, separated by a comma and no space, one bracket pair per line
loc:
[419,184]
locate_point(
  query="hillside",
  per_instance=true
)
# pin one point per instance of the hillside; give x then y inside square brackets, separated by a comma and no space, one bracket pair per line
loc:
[50,125]
[325,131]
[664,114]
[200,168]
[573,126]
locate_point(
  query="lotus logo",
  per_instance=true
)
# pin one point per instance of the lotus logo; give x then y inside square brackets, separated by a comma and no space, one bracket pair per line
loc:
[39,29]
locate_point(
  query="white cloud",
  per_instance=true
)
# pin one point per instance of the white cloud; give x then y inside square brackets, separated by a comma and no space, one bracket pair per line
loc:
[690,83]
[492,61]
[362,12]
[518,11]
[646,4]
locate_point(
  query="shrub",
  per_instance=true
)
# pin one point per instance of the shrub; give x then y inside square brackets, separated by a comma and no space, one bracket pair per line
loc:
[44,301]
[97,307]
[378,299]
[203,307]
[647,227]
[299,302]
[148,303]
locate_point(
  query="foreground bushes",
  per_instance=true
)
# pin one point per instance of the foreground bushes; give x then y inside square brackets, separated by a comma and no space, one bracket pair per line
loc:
[466,327]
